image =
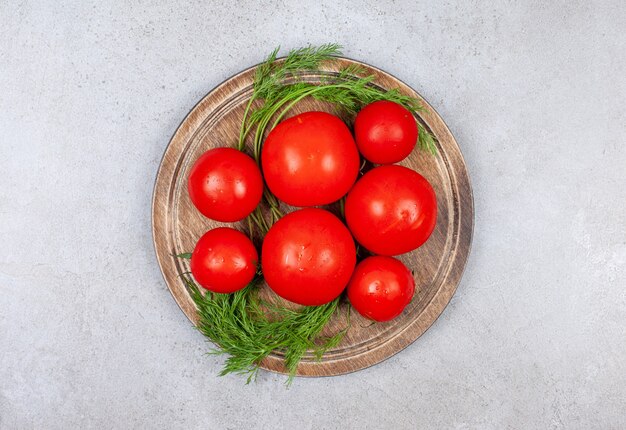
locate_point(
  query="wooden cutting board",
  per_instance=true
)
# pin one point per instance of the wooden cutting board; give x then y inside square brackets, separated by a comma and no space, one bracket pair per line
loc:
[438,265]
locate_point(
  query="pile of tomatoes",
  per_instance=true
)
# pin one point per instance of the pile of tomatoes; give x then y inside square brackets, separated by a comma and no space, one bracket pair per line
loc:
[309,256]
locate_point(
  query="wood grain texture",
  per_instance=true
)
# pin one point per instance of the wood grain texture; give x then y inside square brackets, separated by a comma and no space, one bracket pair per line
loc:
[438,265]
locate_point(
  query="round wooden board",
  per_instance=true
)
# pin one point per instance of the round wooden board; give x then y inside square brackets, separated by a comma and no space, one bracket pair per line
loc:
[438,265]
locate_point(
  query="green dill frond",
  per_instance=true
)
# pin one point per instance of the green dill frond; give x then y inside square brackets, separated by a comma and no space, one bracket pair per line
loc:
[425,140]
[268,82]
[241,328]
[351,71]
[264,70]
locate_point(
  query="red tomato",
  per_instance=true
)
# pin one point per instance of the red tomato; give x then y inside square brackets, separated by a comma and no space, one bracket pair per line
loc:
[380,288]
[385,132]
[224,260]
[391,210]
[310,159]
[225,184]
[308,257]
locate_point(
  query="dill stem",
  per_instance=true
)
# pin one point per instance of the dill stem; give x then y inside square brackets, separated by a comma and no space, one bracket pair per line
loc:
[242,131]
[250,228]
[296,100]
[258,136]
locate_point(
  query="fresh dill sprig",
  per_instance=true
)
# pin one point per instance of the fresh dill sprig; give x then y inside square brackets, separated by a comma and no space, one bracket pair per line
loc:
[270,75]
[248,329]
[425,140]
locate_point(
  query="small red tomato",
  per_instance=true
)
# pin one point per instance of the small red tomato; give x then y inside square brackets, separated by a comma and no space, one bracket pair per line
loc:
[310,159]
[380,288]
[224,260]
[225,184]
[308,257]
[391,210]
[385,132]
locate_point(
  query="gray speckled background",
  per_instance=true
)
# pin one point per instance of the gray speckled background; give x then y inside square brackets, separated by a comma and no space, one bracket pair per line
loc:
[534,92]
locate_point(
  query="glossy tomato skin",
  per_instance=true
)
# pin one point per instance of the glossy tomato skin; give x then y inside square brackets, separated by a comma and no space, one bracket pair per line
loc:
[385,132]
[308,257]
[310,159]
[224,260]
[391,210]
[380,288]
[225,184]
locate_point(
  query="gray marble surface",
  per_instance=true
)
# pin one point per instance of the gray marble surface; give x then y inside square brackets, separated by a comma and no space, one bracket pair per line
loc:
[534,92]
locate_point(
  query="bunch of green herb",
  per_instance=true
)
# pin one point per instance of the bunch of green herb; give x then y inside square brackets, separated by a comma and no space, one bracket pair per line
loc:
[248,329]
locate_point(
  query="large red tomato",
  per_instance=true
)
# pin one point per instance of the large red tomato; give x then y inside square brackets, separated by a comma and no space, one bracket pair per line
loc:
[380,288]
[385,132]
[224,260]
[308,257]
[225,184]
[391,210]
[310,159]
